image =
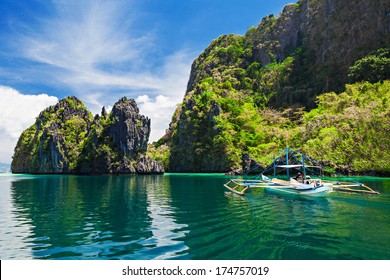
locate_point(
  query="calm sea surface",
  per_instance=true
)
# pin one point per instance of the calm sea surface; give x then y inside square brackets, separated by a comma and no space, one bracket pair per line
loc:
[184,217]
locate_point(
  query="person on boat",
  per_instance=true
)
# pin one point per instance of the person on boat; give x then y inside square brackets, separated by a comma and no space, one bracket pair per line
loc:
[299,177]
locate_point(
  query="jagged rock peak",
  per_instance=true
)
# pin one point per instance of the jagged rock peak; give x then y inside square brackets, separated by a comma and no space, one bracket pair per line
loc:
[129,104]
[104,112]
[65,109]
[66,138]
[129,130]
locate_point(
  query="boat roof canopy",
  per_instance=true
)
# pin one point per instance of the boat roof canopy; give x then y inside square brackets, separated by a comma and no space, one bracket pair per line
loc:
[289,166]
[297,165]
[291,159]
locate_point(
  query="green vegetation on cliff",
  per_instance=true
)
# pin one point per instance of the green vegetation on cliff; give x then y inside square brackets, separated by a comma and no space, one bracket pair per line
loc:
[247,94]
[372,68]
[53,144]
[67,139]
[348,132]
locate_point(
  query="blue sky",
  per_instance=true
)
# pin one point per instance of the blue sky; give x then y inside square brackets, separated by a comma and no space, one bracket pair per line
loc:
[101,50]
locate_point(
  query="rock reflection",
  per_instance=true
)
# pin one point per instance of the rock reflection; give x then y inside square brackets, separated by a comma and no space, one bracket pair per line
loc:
[83,216]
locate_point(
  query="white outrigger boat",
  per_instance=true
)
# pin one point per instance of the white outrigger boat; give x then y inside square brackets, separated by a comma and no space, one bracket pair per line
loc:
[314,188]
[301,185]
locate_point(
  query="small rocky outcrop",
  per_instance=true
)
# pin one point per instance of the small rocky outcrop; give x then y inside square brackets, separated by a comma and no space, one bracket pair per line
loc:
[250,166]
[66,138]
[145,165]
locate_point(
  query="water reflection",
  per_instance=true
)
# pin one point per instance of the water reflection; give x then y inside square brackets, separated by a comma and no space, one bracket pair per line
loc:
[84,217]
[166,240]
[14,229]
[266,226]
[183,217]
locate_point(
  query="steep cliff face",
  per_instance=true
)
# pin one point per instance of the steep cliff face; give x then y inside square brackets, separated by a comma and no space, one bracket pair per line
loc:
[53,143]
[128,129]
[67,139]
[324,38]
[285,62]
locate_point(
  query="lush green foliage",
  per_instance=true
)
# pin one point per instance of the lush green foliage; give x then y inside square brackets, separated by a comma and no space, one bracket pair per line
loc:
[25,147]
[160,153]
[247,93]
[74,131]
[372,68]
[61,128]
[350,131]
[99,151]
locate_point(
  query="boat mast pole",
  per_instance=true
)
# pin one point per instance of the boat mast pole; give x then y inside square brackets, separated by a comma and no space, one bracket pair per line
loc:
[288,170]
[303,166]
[274,167]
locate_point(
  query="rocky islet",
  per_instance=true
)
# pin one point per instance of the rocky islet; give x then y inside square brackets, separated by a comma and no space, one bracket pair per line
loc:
[67,139]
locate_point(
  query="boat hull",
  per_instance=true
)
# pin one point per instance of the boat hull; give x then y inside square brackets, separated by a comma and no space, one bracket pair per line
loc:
[315,192]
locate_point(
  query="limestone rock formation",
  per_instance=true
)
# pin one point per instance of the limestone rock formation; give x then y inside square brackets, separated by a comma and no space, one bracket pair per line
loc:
[67,139]
[284,62]
[128,129]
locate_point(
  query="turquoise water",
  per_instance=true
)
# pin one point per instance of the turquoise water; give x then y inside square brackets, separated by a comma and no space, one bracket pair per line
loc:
[184,217]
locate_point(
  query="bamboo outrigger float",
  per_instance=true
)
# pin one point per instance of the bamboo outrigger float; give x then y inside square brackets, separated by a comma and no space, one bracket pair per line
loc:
[235,184]
[347,188]
[302,184]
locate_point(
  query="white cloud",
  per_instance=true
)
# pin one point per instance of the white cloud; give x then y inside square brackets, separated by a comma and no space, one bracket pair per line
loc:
[172,85]
[17,112]
[175,74]
[159,110]
[83,33]
[96,50]
[89,44]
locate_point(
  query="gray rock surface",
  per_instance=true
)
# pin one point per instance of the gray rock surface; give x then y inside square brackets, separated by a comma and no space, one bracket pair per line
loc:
[67,139]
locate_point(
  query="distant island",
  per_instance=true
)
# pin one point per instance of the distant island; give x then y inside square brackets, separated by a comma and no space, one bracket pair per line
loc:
[67,139]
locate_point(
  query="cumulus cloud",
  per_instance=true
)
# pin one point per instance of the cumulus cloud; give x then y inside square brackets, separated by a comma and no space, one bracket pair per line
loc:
[159,110]
[161,104]
[17,112]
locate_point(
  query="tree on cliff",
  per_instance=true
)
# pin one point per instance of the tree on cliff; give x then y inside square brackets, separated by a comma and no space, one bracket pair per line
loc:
[372,68]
